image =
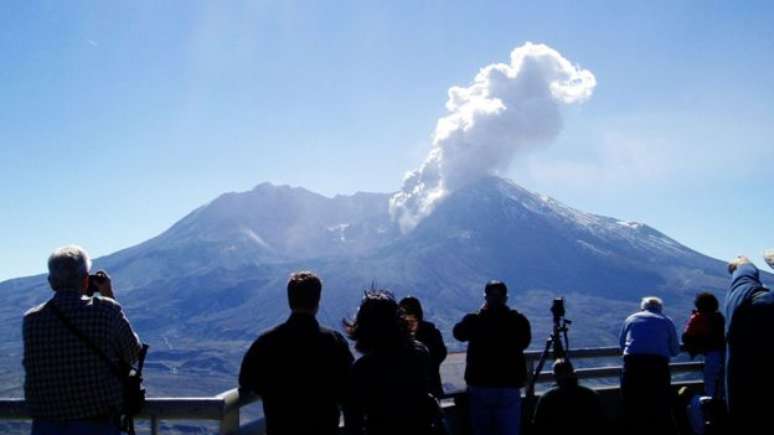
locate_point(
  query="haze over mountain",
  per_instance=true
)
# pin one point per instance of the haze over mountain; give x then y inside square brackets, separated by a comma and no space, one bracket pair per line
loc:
[203,289]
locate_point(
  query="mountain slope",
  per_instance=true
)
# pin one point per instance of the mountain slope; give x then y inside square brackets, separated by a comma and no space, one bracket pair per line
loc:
[202,290]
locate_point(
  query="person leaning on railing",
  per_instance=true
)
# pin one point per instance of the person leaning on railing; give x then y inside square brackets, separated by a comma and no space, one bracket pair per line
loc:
[750,349]
[648,340]
[705,334]
[69,389]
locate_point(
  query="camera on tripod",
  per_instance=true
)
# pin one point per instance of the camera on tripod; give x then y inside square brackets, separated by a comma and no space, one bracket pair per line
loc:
[560,322]
[557,309]
[557,343]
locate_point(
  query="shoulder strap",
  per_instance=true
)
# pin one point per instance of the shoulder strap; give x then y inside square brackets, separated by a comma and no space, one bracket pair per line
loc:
[90,344]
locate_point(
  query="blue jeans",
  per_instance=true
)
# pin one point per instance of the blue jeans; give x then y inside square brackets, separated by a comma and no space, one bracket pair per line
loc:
[495,411]
[73,427]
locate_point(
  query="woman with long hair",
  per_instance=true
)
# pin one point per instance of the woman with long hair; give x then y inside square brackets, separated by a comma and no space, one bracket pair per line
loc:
[392,381]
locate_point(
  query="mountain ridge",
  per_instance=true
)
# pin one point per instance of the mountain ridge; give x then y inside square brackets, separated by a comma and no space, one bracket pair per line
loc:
[201,290]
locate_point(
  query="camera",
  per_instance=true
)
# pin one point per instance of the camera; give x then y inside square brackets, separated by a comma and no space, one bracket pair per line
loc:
[93,281]
[557,309]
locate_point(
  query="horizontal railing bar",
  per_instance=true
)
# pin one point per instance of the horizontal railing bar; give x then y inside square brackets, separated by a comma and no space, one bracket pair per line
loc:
[236,398]
[13,409]
[166,408]
[606,372]
[174,408]
[216,408]
[596,352]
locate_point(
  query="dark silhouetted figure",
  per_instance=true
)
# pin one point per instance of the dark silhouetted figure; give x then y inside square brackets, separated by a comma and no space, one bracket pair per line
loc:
[648,340]
[391,382]
[427,334]
[750,352]
[705,335]
[496,369]
[569,408]
[300,369]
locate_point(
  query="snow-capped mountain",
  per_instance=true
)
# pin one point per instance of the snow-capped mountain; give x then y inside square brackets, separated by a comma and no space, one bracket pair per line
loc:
[200,291]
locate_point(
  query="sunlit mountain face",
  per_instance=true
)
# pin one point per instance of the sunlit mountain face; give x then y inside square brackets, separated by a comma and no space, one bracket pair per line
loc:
[200,292]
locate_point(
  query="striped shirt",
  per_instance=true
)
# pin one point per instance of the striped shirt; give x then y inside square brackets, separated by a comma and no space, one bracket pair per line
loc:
[65,379]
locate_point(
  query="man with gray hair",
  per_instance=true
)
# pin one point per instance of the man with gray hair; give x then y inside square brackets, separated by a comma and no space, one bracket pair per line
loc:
[648,341]
[68,387]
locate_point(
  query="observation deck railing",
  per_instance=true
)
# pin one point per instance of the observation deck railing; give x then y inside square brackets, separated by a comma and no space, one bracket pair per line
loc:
[224,409]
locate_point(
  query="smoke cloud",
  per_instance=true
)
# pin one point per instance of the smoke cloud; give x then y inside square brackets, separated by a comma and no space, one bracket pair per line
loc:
[508,109]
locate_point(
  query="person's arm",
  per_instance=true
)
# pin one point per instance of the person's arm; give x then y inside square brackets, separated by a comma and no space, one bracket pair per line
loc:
[674,343]
[427,369]
[622,336]
[523,331]
[252,369]
[127,343]
[437,347]
[105,285]
[462,331]
[691,325]
[344,379]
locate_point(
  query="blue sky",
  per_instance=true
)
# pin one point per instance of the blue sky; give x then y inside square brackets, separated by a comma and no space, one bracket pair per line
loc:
[118,119]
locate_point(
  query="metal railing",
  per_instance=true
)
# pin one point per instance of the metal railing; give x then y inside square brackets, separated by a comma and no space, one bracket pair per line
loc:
[601,372]
[225,407]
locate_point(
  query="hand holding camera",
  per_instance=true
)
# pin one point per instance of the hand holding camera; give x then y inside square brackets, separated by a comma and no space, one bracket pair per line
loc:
[100,282]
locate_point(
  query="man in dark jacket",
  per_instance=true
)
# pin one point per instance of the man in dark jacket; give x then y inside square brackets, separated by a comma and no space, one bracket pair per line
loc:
[750,351]
[496,369]
[426,333]
[300,369]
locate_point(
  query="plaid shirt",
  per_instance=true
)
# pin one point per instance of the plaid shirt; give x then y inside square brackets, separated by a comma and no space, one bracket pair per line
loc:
[65,379]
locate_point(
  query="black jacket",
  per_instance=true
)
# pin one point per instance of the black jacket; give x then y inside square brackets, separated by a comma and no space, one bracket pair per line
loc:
[431,337]
[390,392]
[497,338]
[301,371]
[571,409]
[750,351]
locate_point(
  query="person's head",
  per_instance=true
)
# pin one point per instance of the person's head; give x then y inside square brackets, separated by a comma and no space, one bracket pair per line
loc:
[768,257]
[68,269]
[304,290]
[564,373]
[652,304]
[736,262]
[411,310]
[496,293]
[706,302]
[378,323]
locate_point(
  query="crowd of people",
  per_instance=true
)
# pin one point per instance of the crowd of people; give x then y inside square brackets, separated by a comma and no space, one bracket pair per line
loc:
[308,377]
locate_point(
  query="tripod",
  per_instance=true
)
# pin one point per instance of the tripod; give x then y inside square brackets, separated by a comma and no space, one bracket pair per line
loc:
[557,342]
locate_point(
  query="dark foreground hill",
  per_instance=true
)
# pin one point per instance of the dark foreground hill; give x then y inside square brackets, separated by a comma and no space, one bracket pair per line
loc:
[202,290]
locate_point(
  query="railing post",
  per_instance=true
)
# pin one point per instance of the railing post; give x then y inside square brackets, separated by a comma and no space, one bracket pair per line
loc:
[154,425]
[229,424]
